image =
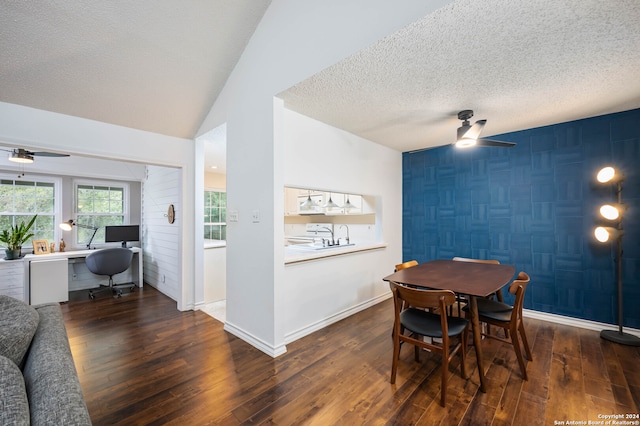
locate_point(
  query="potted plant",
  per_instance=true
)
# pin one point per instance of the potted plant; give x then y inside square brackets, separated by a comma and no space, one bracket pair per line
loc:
[15,236]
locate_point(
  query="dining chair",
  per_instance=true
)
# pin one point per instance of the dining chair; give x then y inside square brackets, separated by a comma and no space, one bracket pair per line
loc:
[420,324]
[509,318]
[462,299]
[405,265]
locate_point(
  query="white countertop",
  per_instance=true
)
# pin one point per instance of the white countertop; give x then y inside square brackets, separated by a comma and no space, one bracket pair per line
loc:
[293,255]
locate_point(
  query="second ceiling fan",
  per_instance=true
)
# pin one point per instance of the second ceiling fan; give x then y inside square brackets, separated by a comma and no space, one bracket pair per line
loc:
[469,135]
[20,155]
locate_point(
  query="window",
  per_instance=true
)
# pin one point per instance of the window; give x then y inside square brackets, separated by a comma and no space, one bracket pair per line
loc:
[97,206]
[21,199]
[215,215]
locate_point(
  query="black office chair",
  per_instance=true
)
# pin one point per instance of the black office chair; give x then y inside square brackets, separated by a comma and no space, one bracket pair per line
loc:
[110,261]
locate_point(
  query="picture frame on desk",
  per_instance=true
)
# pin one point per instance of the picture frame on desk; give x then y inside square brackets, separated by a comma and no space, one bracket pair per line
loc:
[40,246]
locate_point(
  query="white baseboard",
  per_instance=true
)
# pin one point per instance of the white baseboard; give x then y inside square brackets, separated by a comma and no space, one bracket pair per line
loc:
[275,351]
[295,335]
[281,349]
[272,351]
[575,322]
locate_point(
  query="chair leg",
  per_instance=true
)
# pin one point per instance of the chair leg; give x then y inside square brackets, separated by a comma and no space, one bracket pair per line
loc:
[516,346]
[445,372]
[396,357]
[463,352]
[524,341]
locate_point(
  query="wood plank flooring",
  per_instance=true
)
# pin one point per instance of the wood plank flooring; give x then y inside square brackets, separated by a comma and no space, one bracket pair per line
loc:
[142,362]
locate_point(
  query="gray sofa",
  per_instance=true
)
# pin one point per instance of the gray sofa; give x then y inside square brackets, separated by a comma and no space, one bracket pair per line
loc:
[38,379]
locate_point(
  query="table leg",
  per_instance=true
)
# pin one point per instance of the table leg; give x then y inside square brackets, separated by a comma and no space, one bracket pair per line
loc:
[477,339]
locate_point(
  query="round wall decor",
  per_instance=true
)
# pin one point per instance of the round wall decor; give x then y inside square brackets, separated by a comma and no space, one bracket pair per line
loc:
[171,214]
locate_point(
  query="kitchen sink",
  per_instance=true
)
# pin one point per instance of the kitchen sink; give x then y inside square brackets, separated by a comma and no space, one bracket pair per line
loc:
[318,246]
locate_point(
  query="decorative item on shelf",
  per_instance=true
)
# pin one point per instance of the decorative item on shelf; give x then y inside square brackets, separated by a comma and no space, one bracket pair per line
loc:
[52,247]
[613,213]
[62,245]
[15,236]
[40,246]
[68,225]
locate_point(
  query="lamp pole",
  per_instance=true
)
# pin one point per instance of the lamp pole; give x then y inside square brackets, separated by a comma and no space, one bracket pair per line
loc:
[95,229]
[620,336]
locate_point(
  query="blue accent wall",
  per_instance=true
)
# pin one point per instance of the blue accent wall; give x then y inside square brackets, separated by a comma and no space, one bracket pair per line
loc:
[535,206]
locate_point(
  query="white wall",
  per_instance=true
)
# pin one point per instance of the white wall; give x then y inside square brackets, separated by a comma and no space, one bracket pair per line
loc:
[294,40]
[161,239]
[46,131]
[320,292]
[215,180]
[215,274]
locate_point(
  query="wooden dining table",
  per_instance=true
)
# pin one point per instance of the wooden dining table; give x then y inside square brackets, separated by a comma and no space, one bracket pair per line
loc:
[465,278]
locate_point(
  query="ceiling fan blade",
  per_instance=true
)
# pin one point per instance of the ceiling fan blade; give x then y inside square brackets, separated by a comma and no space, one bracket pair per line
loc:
[492,142]
[48,154]
[475,130]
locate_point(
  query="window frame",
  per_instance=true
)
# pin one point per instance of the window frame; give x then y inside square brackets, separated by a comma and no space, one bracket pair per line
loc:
[224,223]
[126,211]
[57,201]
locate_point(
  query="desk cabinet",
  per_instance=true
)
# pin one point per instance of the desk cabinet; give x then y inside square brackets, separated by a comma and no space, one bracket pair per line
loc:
[12,274]
[49,281]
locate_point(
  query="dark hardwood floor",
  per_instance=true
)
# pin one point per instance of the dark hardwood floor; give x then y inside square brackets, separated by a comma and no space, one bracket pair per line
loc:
[141,362]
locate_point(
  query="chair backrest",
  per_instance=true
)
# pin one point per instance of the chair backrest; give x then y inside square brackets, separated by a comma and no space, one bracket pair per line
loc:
[518,287]
[405,265]
[420,298]
[109,261]
[466,259]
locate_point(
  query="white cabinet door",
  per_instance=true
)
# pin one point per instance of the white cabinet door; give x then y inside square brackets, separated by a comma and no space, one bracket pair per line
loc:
[49,281]
[12,279]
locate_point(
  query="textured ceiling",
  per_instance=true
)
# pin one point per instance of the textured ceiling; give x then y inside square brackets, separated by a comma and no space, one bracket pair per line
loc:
[517,63]
[155,65]
[158,65]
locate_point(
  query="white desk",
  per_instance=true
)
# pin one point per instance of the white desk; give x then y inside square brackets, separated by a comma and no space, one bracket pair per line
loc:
[47,279]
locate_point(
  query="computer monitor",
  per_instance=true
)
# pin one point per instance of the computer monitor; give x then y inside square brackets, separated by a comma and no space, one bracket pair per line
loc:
[121,233]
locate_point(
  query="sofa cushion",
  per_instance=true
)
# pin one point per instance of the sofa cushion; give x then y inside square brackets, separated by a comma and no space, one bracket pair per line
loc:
[53,388]
[14,406]
[18,323]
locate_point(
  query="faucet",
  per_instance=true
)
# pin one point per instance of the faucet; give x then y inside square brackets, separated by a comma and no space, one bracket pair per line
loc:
[332,242]
[347,232]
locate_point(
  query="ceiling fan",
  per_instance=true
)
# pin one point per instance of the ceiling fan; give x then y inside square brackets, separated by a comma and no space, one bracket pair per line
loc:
[468,135]
[19,155]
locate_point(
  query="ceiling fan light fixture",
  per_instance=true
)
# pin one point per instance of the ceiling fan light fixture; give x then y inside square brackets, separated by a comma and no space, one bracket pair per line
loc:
[20,157]
[466,142]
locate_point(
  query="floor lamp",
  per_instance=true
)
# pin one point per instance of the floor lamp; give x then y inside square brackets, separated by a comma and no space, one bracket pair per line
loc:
[613,212]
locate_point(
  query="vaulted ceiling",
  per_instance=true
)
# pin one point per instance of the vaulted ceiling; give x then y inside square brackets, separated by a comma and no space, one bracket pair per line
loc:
[155,65]
[159,65]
